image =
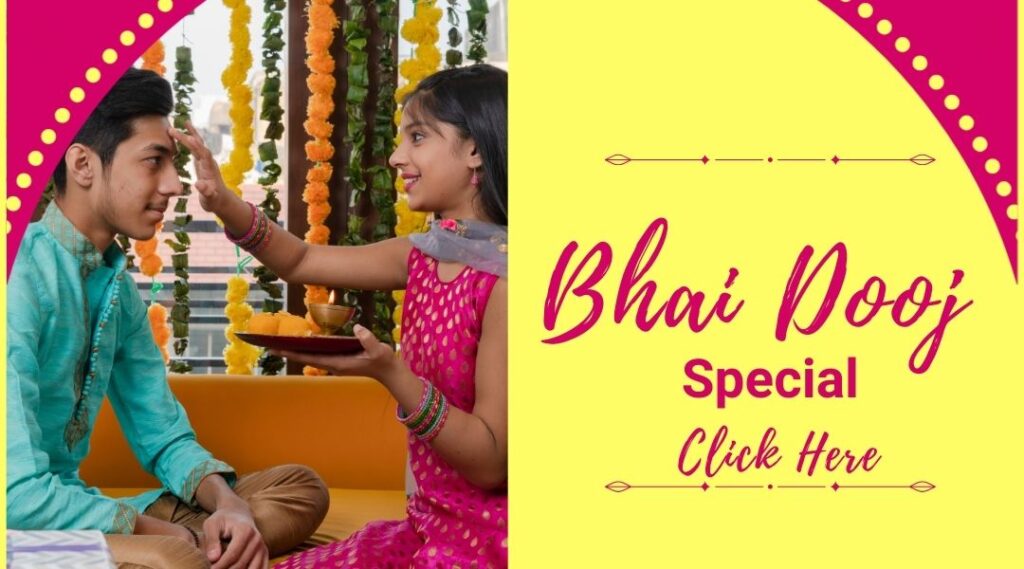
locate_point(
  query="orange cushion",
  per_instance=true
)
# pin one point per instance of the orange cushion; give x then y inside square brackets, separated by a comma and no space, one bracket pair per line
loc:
[342,427]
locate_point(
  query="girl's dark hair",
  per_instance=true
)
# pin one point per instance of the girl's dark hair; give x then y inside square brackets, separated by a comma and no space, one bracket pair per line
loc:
[138,93]
[474,99]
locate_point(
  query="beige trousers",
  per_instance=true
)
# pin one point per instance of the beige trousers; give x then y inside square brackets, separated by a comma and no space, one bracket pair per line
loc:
[288,503]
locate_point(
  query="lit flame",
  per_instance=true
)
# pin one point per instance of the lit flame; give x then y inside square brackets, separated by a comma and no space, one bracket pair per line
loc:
[330,299]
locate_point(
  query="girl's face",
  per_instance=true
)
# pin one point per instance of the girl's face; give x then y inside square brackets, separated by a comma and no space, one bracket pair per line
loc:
[437,167]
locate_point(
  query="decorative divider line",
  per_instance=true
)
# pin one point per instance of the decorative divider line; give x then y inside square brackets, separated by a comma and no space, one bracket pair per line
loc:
[619,486]
[622,159]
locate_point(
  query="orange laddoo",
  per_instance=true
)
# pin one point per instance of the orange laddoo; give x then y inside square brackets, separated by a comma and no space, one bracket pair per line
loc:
[263,323]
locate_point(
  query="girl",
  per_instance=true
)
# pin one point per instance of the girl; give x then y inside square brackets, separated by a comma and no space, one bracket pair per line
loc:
[450,383]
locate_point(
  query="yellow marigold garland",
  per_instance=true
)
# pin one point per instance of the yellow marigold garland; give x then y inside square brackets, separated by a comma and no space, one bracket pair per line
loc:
[422,30]
[239,356]
[320,35]
[241,112]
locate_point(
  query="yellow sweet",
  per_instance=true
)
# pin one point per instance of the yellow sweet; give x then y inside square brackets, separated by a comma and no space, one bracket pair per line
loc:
[291,325]
[264,323]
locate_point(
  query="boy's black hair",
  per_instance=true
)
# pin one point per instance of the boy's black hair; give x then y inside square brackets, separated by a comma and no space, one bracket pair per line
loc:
[138,93]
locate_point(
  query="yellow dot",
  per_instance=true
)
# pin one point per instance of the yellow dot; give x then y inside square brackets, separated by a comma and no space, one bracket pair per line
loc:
[48,136]
[92,75]
[980,143]
[23,180]
[865,10]
[936,82]
[77,95]
[109,56]
[35,158]
[13,203]
[952,102]
[966,122]
[1003,188]
[1011,211]
[165,5]
[146,21]
[62,115]
[902,44]
[8,226]
[884,27]
[920,62]
[127,37]
[992,166]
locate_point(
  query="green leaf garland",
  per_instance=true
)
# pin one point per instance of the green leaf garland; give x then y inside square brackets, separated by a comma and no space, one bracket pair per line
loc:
[453,57]
[477,22]
[271,111]
[356,35]
[382,185]
[181,312]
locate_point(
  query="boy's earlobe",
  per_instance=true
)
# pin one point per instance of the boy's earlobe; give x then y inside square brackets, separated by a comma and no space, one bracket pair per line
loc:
[79,167]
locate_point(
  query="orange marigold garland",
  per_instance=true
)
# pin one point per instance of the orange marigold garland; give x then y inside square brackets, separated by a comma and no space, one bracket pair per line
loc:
[150,264]
[319,37]
[422,30]
[153,58]
[161,332]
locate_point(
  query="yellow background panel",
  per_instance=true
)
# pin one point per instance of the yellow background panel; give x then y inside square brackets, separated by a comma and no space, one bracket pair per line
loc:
[685,79]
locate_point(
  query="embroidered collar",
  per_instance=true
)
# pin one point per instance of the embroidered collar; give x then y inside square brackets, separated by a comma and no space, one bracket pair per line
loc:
[71,239]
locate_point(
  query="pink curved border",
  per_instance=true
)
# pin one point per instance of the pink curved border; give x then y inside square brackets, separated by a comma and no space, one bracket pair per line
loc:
[973,46]
[49,50]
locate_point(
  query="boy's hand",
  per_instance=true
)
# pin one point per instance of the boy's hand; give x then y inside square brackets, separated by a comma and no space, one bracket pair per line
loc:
[208,182]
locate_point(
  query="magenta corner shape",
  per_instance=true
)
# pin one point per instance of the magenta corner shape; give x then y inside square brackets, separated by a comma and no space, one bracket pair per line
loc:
[961,59]
[50,48]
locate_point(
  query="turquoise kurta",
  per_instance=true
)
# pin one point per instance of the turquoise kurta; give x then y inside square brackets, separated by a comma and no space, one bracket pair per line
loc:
[77,331]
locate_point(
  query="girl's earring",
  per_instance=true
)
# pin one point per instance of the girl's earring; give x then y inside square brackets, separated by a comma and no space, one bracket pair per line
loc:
[475,180]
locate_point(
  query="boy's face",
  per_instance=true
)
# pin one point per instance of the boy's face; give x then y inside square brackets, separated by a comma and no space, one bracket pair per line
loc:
[135,189]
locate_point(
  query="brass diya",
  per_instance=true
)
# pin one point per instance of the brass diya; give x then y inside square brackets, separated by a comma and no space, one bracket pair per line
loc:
[330,317]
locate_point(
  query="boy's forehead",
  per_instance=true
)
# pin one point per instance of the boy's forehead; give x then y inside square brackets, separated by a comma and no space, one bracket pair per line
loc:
[149,130]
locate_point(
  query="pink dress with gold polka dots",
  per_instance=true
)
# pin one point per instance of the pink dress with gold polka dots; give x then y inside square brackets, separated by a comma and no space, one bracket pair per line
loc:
[451,523]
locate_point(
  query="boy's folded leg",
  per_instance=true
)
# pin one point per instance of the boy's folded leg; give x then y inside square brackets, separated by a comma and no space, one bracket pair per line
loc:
[155,552]
[288,504]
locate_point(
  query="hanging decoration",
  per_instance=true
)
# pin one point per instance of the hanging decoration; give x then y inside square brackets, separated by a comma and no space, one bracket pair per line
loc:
[319,37]
[453,57]
[356,36]
[476,18]
[421,30]
[272,112]
[181,312]
[150,263]
[233,78]
[382,192]
[239,356]
[153,58]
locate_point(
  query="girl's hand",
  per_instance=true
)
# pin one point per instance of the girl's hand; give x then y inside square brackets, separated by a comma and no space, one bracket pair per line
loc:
[213,194]
[377,360]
